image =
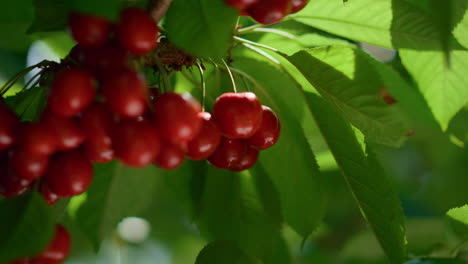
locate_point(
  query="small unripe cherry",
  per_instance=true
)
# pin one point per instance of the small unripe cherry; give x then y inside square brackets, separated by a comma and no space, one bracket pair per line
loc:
[228,153]
[57,250]
[268,133]
[247,161]
[170,157]
[89,30]
[207,140]
[137,31]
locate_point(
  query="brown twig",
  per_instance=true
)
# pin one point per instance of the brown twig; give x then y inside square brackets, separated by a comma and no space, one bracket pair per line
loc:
[158,8]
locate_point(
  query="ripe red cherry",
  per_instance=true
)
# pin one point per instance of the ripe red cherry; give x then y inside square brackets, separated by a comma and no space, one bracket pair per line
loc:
[103,61]
[38,139]
[68,131]
[10,184]
[126,93]
[247,161]
[240,4]
[89,30]
[207,140]
[71,92]
[170,157]
[228,153]
[137,31]
[176,117]
[48,195]
[26,166]
[69,173]
[269,11]
[238,115]
[8,125]
[97,124]
[136,143]
[268,133]
[298,5]
[57,250]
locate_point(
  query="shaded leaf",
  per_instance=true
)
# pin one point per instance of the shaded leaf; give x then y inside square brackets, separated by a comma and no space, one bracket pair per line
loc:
[50,15]
[224,252]
[28,103]
[458,221]
[436,261]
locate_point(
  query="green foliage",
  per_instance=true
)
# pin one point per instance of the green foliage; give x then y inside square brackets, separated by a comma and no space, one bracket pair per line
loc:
[435,261]
[458,220]
[224,252]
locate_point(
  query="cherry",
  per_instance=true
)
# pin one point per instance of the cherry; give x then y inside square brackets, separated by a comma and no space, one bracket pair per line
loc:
[137,31]
[268,133]
[103,61]
[240,4]
[89,30]
[26,166]
[298,5]
[78,54]
[238,115]
[69,173]
[48,195]
[269,11]
[136,143]
[248,160]
[176,117]
[126,93]
[170,157]
[207,140]
[68,131]
[71,92]
[228,153]
[97,124]
[38,139]
[8,125]
[57,250]
[10,184]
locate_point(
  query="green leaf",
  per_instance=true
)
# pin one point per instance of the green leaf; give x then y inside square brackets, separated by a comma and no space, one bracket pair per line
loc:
[116,192]
[203,28]
[27,226]
[15,19]
[104,8]
[366,179]
[458,126]
[28,103]
[445,87]
[458,220]
[436,261]
[386,23]
[50,15]
[224,252]
[460,30]
[346,78]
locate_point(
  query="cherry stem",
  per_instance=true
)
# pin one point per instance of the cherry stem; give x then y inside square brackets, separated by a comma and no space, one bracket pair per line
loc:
[234,87]
[202,79]
[162,71]
[261,46]
[158,9]
[20,75]
[256,26]
[273,31]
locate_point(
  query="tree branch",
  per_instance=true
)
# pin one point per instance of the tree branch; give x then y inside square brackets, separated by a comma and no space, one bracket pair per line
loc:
[158,8]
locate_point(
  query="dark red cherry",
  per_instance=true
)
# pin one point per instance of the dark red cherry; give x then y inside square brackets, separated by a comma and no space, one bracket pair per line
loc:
[68,131]
[38,139]
[269,11]
[136,31]
[207,140]
[126,93]
[57,250]
[26,166]
[89,30]
[240,4]
[8,124]
[170,157]
[136,143]
[97,123]
[78,54]
[268,133]
[69,173]
[176,117]
[228,153]
[71,92]
[238,115]
[247,161]
[50,197]
[298,5]
[10,184]
[105,60]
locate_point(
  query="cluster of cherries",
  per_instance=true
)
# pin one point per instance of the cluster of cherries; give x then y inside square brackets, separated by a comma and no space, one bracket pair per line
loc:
[56,252]
[267,11]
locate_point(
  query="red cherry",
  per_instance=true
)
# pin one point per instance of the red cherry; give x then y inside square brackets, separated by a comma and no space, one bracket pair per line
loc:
[50,197]
[298,5]
[97,124]
[240,4]
[136,143]
[68,131]
[137,31]
[238,115]
[57,250]
[38,139]
[170,157]
[10,184]
[268,133]
[176,117]
[89,30]
[269,11]
[248,160]
[71,92]
[105,60]
[21,261]
[78,54]
[70,173]
[26,166]
[8,125]
[126,93]
[228,153]
[207,140]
